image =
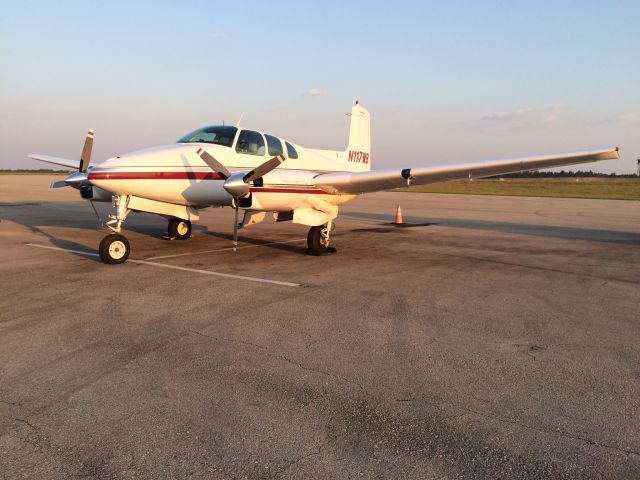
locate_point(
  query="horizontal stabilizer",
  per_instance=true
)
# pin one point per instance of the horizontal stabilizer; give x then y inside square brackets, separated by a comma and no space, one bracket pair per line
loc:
[63,162]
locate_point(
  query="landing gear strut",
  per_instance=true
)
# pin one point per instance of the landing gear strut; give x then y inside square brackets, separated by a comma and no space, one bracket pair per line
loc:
[115,248]
[318,239]
[179,229]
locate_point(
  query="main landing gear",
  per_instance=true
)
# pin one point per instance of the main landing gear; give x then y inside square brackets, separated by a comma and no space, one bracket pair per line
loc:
[179,229]
[318,239]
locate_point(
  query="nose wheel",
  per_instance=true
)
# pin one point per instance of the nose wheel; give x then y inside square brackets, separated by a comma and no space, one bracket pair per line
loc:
[114,249]
[179,229]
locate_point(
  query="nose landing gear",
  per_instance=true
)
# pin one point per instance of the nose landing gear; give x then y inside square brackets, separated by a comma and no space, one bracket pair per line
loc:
[114,249]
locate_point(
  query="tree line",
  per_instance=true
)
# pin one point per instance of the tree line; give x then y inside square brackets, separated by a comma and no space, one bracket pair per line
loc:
[564,174]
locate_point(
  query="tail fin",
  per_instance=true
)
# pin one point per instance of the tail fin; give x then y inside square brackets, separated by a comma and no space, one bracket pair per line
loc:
[357,156]
[359,150]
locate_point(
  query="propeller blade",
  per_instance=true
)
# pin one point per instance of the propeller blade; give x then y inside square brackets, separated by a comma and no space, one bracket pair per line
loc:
[85,158]
[58,184]
[266,167]
[214,164]
[235,228]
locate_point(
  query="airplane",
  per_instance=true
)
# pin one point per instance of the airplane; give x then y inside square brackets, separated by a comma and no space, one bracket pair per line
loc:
[258,173]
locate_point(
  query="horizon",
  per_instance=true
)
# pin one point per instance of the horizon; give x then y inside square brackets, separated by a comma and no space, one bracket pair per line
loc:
[444,83]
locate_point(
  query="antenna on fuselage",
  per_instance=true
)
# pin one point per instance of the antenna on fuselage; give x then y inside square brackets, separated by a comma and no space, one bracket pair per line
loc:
[239,120]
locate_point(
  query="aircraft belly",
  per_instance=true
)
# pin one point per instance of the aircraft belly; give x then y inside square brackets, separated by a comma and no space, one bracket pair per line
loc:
[286,201]
[178,191]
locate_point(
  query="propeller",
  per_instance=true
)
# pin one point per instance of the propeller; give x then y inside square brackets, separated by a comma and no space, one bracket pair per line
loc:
[85,157]
[237,183]
[214,164]
[80,179]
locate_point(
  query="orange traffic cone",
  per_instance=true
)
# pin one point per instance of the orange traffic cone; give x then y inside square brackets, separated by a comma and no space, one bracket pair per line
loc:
[398,220]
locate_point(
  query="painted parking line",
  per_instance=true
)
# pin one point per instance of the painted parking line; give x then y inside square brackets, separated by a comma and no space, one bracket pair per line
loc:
[159,257]
[175,267]
[217,274]
[48,247]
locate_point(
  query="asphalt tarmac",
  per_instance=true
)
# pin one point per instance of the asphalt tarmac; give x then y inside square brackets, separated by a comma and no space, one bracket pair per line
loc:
[497,337]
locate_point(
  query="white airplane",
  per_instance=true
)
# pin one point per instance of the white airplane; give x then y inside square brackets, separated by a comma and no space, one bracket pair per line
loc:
[258,173]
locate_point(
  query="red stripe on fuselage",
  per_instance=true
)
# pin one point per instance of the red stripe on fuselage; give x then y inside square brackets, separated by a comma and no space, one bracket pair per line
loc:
[154,176]
[287,190]
[191,176]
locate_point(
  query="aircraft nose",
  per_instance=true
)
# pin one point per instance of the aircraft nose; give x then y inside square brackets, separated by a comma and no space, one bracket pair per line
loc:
[77,180]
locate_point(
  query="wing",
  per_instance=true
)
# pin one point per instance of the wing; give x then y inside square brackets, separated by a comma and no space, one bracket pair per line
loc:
[63,162]
[374,180]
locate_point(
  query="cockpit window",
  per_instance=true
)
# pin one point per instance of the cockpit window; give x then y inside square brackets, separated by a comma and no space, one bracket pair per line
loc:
[274,144]
[218,134]
[291,152]
[250,142]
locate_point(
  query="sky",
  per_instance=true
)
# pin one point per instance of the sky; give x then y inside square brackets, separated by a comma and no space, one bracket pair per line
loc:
[446,81]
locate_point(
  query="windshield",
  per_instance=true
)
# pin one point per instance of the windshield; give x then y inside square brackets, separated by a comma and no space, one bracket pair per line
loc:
[218,134]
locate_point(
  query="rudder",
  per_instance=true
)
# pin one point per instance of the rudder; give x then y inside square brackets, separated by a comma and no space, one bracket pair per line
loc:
[359,148]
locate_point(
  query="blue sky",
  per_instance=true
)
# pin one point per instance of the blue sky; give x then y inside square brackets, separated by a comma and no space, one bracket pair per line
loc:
[444,81]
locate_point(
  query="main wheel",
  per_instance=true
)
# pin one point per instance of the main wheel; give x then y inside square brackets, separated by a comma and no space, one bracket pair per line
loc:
[114,249]
[179,229]
[318,240]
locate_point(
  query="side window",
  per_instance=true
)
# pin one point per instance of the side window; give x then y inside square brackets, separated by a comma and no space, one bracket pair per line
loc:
[274,144]
[250,142]
[291,152]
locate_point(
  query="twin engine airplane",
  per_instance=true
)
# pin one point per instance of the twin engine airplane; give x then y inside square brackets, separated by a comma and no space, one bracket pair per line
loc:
[258,173]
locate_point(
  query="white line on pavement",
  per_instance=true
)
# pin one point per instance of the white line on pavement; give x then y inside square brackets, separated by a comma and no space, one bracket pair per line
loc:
[225,249]
[175,267]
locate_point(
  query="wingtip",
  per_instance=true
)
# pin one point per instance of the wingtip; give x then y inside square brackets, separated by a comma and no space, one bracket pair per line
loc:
[616,152]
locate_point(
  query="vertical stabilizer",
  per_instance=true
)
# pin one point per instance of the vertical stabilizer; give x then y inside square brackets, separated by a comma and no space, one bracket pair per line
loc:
[357,156]
[359,149]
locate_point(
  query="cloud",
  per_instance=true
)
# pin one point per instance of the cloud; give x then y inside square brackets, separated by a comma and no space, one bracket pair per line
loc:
[620,119]
[314,92]
[524,117]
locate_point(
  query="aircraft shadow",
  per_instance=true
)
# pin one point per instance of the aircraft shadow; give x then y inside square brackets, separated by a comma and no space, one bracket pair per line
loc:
[38,215]
[573,233]
[287,247]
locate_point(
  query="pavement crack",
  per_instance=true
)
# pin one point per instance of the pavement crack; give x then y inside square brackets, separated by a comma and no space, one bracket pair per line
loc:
[552,432]
[301,458]
[228,340]
[25,421]
[282,357]
[329,372]
[451,417]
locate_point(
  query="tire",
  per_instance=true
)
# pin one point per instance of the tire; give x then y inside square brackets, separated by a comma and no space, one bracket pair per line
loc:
[114,249]
[315,241]
[179,229]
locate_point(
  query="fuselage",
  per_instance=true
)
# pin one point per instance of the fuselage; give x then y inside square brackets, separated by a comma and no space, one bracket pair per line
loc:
[176,174]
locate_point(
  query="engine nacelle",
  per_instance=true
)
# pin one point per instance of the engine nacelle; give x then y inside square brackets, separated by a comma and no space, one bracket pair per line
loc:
[96,194]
